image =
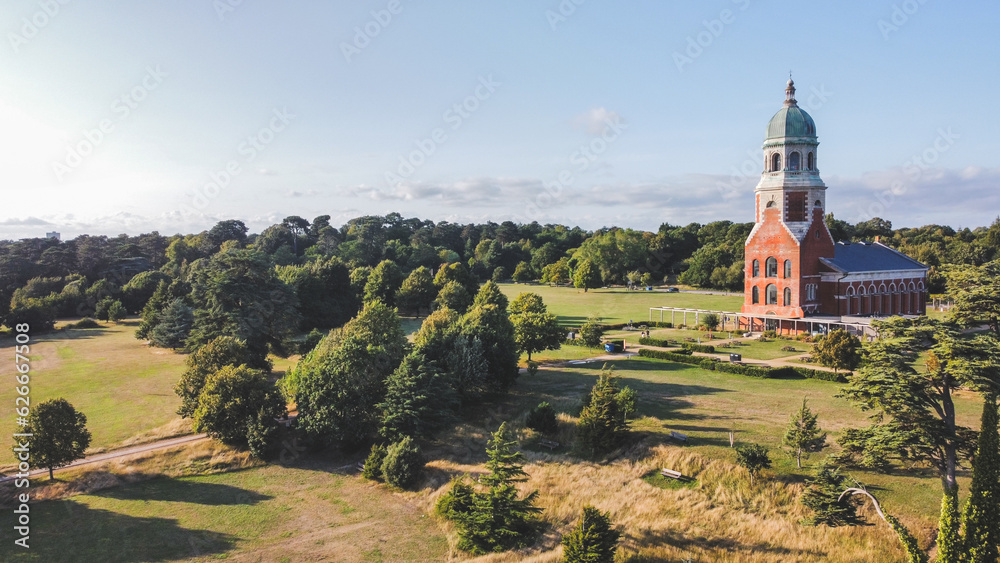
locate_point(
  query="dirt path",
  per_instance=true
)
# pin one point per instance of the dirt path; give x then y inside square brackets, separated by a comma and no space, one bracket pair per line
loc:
[124,452]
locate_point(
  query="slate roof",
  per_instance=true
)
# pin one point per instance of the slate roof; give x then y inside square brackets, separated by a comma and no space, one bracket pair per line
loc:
[869,257]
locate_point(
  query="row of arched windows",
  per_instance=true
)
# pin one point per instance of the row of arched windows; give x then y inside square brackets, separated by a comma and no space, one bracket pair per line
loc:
[882,288]
[771,268]
[773,164]
[771,295]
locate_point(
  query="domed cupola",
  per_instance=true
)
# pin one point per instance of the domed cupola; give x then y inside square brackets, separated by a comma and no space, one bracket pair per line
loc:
[791,120]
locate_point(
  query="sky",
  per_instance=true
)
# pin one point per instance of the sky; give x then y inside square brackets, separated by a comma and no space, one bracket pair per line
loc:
[129,117]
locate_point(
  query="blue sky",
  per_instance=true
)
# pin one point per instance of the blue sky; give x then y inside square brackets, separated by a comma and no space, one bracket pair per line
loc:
[131,117]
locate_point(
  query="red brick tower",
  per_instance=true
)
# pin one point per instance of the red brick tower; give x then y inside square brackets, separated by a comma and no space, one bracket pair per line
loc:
[790,236]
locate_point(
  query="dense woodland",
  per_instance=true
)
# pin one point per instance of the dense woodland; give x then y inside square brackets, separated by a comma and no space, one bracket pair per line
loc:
[319,274]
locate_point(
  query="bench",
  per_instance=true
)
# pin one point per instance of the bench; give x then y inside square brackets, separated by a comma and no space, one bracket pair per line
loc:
[679,437]
[361,466]
[548,444]
[672,474]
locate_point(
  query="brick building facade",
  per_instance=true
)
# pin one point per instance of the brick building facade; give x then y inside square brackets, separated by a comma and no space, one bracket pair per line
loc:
[793,266]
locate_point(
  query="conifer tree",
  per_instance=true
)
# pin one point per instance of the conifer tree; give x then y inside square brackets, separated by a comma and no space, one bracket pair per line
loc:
[803,434]
[949,541]
[499,519]
[601,425]
[822,496]
[418,400]
[592,540]
[174,325]
[981,518]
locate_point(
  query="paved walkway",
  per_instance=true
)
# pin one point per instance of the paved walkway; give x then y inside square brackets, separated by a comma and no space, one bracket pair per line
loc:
[124,452]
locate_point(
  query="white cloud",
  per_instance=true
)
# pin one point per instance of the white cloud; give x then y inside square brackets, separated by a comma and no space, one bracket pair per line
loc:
[595,120]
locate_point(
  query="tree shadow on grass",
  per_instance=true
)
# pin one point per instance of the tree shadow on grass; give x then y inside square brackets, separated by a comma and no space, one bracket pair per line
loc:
[176,490]
[68,531]
[728,545]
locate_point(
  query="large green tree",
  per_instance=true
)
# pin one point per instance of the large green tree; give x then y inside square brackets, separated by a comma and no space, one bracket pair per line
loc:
[419,400]
[232,400]
[59,435]
[976,291]
[838,350]
[912,406]
[384,282]
[417,291]
[981,516]
[587,276]
[341,382]
[209,359]
[490,324]
[238,293]
[535,329]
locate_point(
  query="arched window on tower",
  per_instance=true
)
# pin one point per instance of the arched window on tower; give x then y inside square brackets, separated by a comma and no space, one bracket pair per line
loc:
[793,161]
[788,269]
[788,297]
[811,162]
[775,162]
[771,267]
[756,268]
[772,294]
[756,295]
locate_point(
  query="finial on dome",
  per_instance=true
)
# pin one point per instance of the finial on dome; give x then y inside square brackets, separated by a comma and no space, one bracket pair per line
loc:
[790,91]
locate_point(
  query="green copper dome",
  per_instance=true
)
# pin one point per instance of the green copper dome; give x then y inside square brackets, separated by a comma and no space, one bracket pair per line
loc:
[791,121]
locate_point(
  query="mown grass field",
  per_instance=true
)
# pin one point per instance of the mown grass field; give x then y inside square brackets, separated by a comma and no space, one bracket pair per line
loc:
[573,306]
[124,387]
[273,513]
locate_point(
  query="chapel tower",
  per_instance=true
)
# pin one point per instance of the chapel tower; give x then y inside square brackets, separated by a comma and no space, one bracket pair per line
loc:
[789,236]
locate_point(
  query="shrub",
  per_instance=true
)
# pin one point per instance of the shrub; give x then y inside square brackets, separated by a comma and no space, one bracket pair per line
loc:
[770,334]
[822,496]
[457,503]
[402,463]
[754,459]
[662,343]
[542,419]
[85,322]
[703,348]
[591,332]
[373,463]
[532,368]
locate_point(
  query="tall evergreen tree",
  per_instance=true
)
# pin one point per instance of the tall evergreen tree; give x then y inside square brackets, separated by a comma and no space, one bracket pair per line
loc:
[803,434]
[173,326]
[592,540]
[418,400]
[602,426]
[949,540]
[981,517]
[499,519]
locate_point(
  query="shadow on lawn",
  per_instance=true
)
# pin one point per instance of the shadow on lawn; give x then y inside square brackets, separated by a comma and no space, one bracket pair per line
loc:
[648,537]
[175,490]
[71,531]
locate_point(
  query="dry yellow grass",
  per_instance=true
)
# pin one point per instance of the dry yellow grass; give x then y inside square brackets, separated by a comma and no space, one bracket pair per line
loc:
[721,518]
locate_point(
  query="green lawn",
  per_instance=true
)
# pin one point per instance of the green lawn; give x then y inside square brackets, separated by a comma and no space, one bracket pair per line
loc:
[707,405]
[124,387]
[276,513]
[573,306]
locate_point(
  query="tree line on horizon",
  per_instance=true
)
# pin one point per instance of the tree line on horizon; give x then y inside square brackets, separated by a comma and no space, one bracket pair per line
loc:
[42,279]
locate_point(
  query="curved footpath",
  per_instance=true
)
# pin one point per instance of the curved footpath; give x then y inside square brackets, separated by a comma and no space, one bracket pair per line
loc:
[115,454]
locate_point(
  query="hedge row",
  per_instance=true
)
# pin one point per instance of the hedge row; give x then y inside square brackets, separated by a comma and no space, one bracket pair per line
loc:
[579,342]
[658,342]
[703,348]
[650,324]
[787,372]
